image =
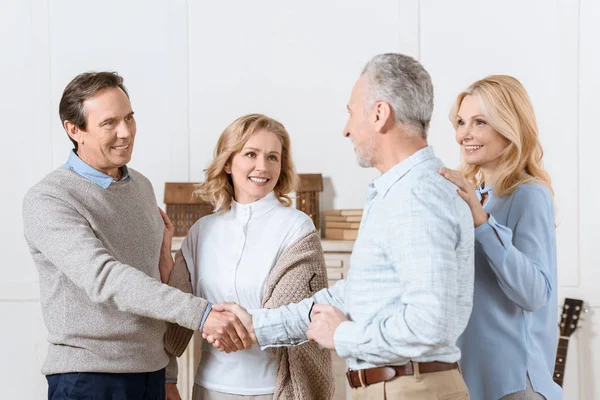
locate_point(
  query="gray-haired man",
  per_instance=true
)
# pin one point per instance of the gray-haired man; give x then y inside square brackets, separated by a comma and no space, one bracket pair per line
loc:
[409,291]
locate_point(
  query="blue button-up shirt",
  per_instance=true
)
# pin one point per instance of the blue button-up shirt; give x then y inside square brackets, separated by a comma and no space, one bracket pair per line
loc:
[87,171]
[409,290]
[512,331]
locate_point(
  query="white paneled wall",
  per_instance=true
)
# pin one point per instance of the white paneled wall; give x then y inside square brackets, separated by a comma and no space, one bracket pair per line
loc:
[192,67]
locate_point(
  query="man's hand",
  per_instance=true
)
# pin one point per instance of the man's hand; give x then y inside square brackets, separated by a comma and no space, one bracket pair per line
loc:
[166,263]
[244,317]
[226,328]
[324,321]
[172,392]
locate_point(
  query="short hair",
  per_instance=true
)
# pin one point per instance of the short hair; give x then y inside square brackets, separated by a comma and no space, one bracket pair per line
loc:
[403,83]
[217,189]
[81,88]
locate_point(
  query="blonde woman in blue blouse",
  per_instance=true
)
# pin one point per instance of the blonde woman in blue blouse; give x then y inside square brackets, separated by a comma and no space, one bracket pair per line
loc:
[509,346]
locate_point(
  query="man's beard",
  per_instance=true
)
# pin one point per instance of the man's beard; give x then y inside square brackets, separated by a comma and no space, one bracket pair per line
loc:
[364,155]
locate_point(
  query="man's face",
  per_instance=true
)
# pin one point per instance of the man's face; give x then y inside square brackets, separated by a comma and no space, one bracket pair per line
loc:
[359,127]
[107,142]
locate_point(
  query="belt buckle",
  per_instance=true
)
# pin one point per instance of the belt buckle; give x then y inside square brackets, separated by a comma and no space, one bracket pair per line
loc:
[361,378]
[349,377]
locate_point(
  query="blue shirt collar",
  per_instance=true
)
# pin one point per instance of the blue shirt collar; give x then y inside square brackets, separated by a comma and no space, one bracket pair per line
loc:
[99,178]
[394,174]
[481,190]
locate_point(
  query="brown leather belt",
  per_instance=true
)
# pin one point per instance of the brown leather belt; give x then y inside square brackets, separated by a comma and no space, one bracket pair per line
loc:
[369,376]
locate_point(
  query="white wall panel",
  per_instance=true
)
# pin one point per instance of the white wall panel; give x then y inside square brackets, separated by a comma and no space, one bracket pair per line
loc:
[536,41]
[25,117]
[296,62]
[589,197]
[145,41]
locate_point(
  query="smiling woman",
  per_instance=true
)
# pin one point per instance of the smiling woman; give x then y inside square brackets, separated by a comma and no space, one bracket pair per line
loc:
[509,345]
[253,158]
[257,251]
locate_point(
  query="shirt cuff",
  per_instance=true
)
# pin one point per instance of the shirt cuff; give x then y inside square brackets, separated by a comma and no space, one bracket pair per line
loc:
[208,308]
[270,330]
[492,232]
[345,339]
[495,240]
[489,224]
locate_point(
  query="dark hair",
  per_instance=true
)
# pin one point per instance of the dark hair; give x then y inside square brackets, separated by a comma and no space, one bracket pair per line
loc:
[81,88]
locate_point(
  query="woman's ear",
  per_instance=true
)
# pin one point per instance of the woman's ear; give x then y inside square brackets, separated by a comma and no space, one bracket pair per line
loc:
[227,168]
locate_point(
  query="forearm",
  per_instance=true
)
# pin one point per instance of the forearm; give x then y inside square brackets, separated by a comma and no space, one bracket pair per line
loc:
[135,292]
[165,263]
[287,325]
[178,337]
[172,370]
[523,281]
[90,266]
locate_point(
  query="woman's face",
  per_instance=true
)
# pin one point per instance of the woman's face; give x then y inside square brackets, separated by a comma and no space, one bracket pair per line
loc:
[256,168]
[480,144]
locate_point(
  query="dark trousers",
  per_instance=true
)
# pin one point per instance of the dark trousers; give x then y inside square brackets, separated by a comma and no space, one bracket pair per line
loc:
[103,386]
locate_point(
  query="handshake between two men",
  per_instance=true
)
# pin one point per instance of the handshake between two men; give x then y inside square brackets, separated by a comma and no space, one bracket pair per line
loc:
[229,326]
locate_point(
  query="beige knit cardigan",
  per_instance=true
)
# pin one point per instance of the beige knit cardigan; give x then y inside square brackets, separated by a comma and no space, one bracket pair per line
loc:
[304,372]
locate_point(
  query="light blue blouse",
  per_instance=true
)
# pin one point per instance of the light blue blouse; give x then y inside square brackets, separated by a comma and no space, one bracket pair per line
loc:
[513,330]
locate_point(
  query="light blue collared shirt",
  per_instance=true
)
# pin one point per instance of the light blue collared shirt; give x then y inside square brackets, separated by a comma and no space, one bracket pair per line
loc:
[409,290]
[512,331]
[87,171]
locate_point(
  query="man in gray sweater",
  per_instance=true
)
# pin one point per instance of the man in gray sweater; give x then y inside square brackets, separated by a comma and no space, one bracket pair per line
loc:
[96,237]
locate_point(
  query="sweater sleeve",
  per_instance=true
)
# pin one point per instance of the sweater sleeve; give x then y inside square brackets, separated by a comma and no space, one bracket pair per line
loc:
[522,258]
[172,370]
[305,370]
[287,324]
[56,231]
[178,337]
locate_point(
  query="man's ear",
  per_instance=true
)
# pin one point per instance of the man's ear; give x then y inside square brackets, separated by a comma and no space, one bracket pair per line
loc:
[73,131]
[383,116]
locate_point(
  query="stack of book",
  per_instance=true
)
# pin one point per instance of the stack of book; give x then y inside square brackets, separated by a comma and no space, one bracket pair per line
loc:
[342,224]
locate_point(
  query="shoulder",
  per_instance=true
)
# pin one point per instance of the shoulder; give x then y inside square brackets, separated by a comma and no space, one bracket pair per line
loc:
[57,184]
[296,221]
[427,188]
[532,191]
[532,196]
[205,223]
[139,178]
[292,214]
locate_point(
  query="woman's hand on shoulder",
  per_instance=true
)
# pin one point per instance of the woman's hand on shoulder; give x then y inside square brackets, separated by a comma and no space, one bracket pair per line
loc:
[467,193]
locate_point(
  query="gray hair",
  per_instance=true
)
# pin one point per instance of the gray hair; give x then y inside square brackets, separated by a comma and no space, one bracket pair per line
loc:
[402,82]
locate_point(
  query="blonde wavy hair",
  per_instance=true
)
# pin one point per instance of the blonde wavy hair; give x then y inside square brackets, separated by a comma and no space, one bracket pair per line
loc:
[217,188]
[509,112]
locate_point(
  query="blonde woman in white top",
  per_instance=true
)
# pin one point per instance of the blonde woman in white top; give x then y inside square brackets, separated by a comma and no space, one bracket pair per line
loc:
[257,251]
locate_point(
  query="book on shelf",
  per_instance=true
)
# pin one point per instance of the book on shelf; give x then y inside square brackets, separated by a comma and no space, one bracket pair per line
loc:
[341,218]
[341,234]
[342,225]
[345,213]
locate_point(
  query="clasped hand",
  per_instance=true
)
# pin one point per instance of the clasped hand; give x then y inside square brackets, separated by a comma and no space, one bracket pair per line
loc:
[324,321]
[229,328]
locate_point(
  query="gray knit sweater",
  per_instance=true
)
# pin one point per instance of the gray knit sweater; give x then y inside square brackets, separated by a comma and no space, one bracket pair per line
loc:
[97,253]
